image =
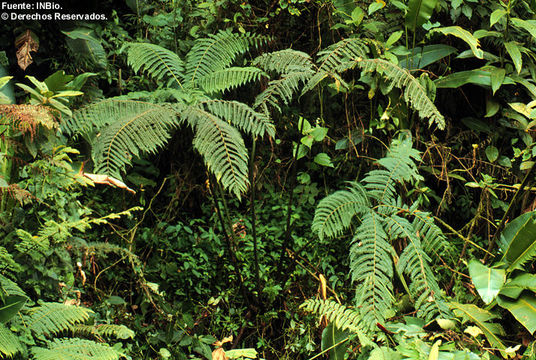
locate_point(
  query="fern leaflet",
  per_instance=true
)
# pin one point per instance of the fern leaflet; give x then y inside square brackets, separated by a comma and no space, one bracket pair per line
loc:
[414,93]
[75,349]
[52,318]
[9,344]
[284,61]
[229,78]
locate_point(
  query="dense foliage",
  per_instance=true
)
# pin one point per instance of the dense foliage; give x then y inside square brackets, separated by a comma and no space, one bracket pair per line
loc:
[292,179]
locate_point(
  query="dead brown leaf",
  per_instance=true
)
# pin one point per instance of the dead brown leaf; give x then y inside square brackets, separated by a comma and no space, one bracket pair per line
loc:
[25,43]
[108,180]
[223,341]
[219,354]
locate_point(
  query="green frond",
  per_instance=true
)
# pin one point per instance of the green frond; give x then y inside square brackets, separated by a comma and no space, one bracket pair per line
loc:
[104,330]
[344,318]
[241,116]
[281,90]
[136,131]
[94,117]
[9,343]
[433,240]
[9,288]
[415,264]
[217,52]
[158,62]
[335,212]
[222,148]
[371,266]
[284,61]
[337,58]
[52,318]
[6,261]
[414,93]
[230,78]
[399,164]
[75,349]
[33,246]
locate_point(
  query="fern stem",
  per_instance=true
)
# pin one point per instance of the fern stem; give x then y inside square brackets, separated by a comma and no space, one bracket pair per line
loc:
[503,220]
[254,218]
[286,239]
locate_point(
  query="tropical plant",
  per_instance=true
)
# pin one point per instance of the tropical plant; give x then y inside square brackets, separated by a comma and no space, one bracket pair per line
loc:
[381,220]
[128,126]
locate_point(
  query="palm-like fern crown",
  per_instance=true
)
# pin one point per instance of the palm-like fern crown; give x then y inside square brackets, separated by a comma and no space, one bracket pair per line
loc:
[129,127]
[382,218]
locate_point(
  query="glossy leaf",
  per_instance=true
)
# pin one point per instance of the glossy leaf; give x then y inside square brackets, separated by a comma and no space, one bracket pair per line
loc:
[419,12]
[488,282]
[514,287]
[523,309]
[11,306]
[518,241]
[422,57]
[466,36]
[497,77]
[515,54]
[478,77]
[331,336]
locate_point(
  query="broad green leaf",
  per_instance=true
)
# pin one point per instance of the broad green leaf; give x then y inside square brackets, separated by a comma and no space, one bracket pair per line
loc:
[514,287]
[319,133]
[496,16]
[384,353]
[434,351]
[492,153]
[515,54]
[248,353]
[4,80]
[527,25]
[497,78]
[481,317]
[393,38]
[323,159]
[419,12]
[518,241]
[465,35]
[523,309]
[422,57]
[488,282]
[11,306]
[58,81]
[478,77]
[7,95]
[333,339]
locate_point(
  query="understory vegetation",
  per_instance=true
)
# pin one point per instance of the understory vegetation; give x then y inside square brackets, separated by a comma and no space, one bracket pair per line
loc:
[292,179]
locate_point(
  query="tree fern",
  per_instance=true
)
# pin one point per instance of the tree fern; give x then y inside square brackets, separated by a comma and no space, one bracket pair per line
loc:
[75,349]
[52,318]
[217,52]
[282,90]
[230,78]
[160,63]
[241,116]
[222,148]
[414,93]
[9,343]
[372,267]
[382,218]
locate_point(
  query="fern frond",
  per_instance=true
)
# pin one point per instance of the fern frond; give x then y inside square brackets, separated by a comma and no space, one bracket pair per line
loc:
[433,240]
[9,343]
[6,262]
[75,349]
[10,288]
[335,212]
[104,330]
[399,164]
[229,78]
[103,113]
[414,93]
[52,318]
[158,62]
[415,263]
[241,116]
[222,148]
[344,318]
[371,266]
[284,61]
[137,131]
[335,59]
[217,52]
[281,90]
